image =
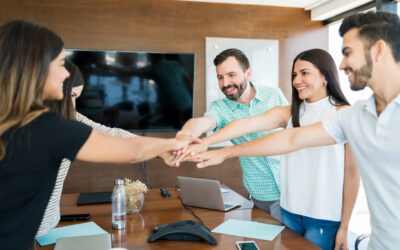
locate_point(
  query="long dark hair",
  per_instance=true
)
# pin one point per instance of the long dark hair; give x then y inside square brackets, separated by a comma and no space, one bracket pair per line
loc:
[324,62]
[26,51]
[65,106]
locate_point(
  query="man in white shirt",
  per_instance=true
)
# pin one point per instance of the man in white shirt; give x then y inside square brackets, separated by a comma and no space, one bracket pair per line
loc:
[371,57]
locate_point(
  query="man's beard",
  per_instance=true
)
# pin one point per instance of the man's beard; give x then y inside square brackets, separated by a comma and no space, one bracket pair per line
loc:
[362,75]
[241,88]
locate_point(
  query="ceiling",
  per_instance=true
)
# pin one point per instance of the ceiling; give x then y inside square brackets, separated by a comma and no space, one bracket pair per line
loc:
[320,9]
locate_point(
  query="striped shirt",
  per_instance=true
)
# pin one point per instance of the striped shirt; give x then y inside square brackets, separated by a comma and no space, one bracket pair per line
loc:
[51,215]
[260,174]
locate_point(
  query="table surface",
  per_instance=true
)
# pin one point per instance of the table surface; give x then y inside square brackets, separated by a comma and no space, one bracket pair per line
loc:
[158,210]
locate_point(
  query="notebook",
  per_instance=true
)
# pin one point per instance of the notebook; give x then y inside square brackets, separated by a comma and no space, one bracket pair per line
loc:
[75,230]
[206,193]
[89,242]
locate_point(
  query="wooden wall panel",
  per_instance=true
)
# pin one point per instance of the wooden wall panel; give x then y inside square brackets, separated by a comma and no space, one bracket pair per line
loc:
[171,26]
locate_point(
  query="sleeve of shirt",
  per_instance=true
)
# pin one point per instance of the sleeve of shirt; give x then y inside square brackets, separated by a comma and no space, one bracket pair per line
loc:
[214,111]
[334,125]
[66,137]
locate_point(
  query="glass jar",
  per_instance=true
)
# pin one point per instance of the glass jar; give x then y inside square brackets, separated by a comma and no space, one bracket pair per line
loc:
[134,203]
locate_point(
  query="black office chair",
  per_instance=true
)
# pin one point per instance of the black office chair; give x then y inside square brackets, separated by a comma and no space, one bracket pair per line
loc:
[361,238]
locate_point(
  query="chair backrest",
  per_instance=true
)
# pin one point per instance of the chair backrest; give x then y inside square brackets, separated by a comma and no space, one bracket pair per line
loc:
[361,238]
[357,242]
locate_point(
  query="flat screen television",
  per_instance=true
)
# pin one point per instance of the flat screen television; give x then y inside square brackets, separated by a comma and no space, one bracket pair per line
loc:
[136,91]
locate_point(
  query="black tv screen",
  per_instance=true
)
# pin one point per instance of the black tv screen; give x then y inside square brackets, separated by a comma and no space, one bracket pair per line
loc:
[143,91]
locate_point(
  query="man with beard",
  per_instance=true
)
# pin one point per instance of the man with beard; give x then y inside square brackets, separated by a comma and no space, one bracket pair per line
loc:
[243,99]
[371,58]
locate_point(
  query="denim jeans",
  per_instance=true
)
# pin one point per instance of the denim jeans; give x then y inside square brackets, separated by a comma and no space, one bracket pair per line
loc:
[320,232]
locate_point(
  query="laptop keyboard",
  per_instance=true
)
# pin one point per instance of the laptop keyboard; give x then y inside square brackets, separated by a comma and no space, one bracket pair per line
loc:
[230,198]
[234,198]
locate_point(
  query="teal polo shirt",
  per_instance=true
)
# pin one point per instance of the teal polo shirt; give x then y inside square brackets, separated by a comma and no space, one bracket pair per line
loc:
[260,174]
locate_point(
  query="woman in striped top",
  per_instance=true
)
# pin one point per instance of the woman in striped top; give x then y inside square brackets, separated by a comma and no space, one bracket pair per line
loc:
[72,89]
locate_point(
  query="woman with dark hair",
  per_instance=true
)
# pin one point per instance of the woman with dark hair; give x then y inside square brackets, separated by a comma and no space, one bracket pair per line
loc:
[33,141]
[72,89]
[326,66]
[318,185]
[72,85]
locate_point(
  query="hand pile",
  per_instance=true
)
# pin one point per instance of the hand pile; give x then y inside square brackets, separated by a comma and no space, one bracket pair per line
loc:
[194,151]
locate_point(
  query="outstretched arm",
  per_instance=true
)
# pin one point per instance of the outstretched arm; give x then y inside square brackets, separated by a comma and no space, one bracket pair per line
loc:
[192,128]
[103,148]
[280,142]
[197,126]
[276,117]
[117,132]
[351,184]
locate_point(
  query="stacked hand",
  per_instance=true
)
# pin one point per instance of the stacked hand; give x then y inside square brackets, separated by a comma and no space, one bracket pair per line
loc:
[166,158]
[181,143]
[176,156]
[188,154]
[210,158]
[195,151]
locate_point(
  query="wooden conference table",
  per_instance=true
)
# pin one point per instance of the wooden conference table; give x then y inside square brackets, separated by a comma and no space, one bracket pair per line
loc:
[158,210]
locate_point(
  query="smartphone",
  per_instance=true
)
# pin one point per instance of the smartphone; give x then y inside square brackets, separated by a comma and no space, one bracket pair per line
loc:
[74,217]
[247,245]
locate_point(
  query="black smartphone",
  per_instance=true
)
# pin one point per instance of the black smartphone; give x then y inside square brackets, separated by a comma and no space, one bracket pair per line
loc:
[74,217]
[247,245]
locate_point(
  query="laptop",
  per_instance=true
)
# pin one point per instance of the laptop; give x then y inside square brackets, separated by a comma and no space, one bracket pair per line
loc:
[206,193]
[88,242]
